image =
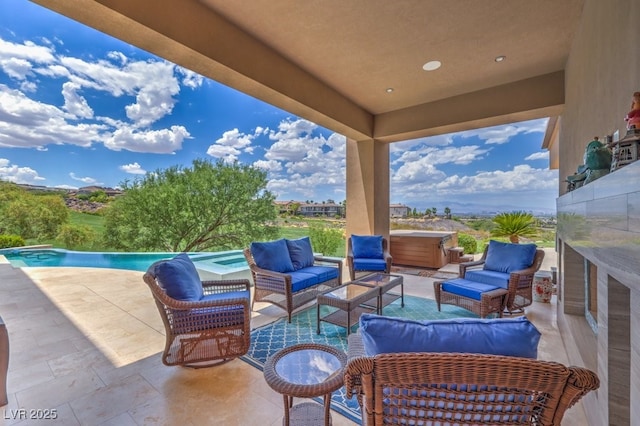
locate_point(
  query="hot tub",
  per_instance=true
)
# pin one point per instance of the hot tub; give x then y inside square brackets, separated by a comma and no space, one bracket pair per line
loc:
[427,249]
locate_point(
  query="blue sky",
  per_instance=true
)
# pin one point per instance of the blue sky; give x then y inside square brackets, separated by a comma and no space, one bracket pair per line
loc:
[80,108]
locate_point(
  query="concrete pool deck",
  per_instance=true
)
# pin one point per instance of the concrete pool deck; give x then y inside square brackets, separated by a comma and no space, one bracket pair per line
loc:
[87,342]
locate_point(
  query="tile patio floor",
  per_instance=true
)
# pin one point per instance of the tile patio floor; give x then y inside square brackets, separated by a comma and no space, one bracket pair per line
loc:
[87,342]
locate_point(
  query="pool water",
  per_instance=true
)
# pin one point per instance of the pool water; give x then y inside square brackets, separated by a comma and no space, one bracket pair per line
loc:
[129,261]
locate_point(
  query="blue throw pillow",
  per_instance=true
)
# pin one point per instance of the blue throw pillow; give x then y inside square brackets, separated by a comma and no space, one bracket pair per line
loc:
[507,257]
[367,246]
[179,278]
[272,255]
[499,336]
[300,252]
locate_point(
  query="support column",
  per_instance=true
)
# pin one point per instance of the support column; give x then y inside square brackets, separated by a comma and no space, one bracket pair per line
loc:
[367,187]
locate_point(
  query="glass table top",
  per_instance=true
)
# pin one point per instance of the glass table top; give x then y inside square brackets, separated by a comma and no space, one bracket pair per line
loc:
[348,291]
[307,367]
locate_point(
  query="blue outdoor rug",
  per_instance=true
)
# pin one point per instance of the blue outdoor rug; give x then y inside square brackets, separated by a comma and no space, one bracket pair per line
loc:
[267,340]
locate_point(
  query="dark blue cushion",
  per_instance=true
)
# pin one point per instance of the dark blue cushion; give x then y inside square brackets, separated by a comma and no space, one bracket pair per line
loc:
[364,264]
[229,295]
[499,279]
[324,273]
[507,257]
[179,278]
[272,255]
[369,246]
[466,288]
[497,336]
[301,280]
[300,252]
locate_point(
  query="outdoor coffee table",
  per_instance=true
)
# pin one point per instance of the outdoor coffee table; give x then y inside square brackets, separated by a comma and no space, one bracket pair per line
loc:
[348,299]
[306,370]
[384,283]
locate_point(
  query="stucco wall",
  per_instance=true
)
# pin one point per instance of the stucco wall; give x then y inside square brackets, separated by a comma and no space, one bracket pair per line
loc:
[600,223]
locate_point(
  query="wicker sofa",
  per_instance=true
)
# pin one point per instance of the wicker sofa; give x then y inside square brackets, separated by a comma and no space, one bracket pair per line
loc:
[287,274]
[450,387]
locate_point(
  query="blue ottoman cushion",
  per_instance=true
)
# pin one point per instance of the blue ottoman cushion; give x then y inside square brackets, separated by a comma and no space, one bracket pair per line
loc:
[466,288]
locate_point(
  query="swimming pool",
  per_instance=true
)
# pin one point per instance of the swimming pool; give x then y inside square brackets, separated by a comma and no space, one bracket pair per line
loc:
[219,263]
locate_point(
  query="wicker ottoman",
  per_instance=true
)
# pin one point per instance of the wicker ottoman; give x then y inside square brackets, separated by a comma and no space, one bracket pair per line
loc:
[481,299]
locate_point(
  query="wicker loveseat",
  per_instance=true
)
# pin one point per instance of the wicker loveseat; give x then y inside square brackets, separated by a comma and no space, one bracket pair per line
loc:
[206,322]
[287,274]
[462,388]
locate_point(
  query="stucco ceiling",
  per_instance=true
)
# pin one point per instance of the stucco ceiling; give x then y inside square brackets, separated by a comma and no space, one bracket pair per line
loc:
[332,61]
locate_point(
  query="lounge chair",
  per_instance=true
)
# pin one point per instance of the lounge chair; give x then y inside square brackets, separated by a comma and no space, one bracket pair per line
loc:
[206,322]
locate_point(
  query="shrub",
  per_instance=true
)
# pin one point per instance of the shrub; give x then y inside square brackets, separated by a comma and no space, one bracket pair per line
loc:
[11,241]
[75,235]
[325,240]
[468,243]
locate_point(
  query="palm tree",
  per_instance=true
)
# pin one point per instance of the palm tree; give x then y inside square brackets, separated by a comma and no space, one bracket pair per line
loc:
[447,212]
[514,225]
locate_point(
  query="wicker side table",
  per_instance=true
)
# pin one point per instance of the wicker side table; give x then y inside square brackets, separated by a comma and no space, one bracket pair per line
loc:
[306,370]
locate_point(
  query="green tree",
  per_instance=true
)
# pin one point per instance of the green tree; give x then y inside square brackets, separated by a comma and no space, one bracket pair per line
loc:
[428,212]
[447,212]
[325,240]
[435,211]
[31,216]
[74,236]
[514,225]
[206,207]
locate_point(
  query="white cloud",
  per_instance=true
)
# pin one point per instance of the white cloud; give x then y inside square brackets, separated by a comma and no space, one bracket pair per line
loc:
[17,60]
[85,180]
[503,134]
[228,154]
[27,123]
[544,155]
[75,104]
[133,168]
[189,78]
[268,165]
[164,141]
[14,173]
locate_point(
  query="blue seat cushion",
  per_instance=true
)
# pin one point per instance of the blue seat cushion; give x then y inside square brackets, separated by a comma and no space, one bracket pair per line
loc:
[301,280]
[495,336]
[364,264]
[229,295]
[179,278]
[300,252]
[367,246]
[324,273]
[495,278]
[507,257]
[272,255]
[466,288]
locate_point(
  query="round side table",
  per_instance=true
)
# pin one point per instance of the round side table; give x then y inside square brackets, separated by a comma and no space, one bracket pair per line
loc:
[306,370]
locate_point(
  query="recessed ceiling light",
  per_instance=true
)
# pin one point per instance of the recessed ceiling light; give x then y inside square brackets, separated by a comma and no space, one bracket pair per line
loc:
[432,65]
[389,89]
[500,58]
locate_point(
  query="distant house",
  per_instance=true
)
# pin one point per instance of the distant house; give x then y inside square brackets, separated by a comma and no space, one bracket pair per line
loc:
[399,210]
[321,209]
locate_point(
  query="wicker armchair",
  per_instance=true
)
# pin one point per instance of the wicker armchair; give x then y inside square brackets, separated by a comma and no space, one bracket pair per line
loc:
[204,333]
[368,265]
[520,291]
[462,389]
